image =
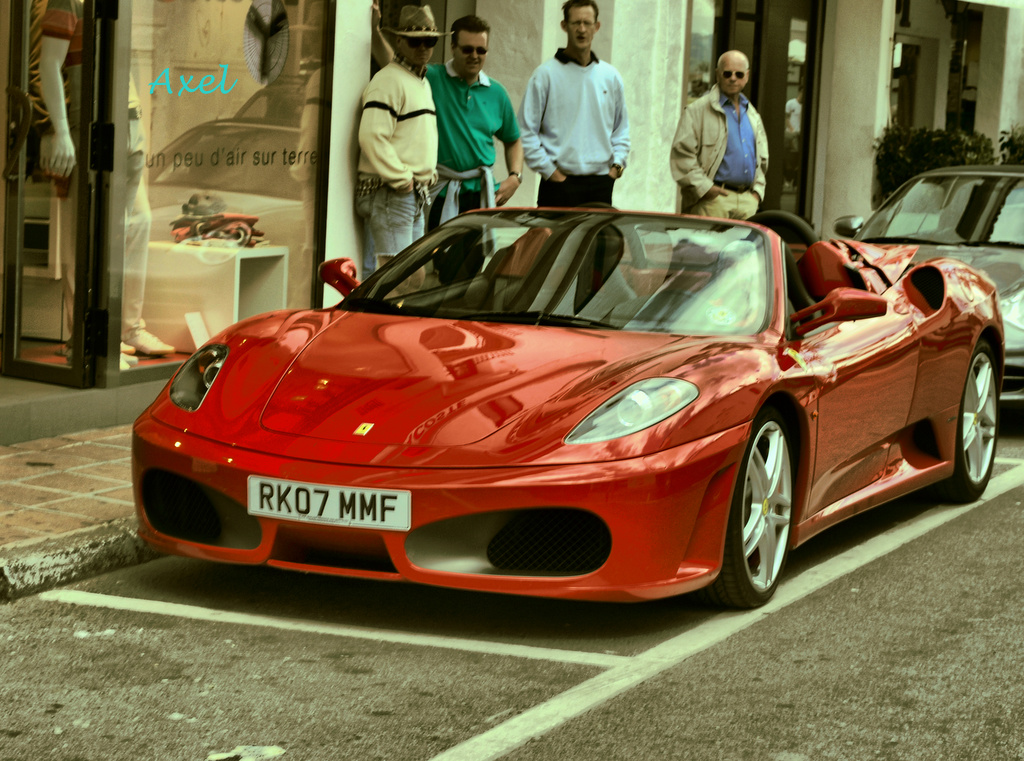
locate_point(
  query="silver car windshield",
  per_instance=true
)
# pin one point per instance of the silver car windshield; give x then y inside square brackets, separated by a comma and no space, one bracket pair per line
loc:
[953,209]
[581,269]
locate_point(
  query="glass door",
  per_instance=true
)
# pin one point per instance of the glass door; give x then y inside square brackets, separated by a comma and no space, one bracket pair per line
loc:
[785,98]
[51,329]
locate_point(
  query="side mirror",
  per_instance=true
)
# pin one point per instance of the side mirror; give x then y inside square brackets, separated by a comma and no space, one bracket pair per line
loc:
[340,274]
[840,305]
[848,227]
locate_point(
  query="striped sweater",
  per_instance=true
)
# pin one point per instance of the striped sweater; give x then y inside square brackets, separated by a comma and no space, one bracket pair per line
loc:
[398,128]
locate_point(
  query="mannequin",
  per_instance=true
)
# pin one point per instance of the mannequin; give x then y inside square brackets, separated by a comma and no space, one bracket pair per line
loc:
[135,339]
[60,60]
[57,146]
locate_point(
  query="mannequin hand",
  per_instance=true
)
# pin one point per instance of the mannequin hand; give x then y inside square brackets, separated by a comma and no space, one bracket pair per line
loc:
[57,154]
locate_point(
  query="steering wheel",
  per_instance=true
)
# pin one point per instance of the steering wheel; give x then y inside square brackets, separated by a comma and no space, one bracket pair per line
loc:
[790,227]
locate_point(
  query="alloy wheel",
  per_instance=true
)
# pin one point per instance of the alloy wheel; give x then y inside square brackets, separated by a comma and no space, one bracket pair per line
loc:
[768,502]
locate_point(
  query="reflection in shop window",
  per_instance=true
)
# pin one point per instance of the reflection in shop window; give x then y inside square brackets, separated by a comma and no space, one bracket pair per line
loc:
[701,67]
[796,72]
[232,171]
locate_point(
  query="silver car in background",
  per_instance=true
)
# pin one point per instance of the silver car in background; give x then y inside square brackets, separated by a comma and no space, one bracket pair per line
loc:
[971,213]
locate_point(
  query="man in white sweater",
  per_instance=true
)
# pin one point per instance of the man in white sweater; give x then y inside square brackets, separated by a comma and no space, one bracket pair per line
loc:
[398,140]
[575,129]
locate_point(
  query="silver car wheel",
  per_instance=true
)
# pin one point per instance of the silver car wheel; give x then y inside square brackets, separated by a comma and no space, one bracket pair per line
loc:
[767,506]
[981,399]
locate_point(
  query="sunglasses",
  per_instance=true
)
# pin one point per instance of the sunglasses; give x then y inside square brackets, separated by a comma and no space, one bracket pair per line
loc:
[469,50]
[729,74]
[415,42]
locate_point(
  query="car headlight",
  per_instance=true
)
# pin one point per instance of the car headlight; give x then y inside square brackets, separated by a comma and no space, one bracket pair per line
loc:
[640,406]
[196,376]
[1012,307]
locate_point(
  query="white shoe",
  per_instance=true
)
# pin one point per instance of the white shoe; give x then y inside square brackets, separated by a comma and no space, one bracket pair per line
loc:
[127,349]
[144,342]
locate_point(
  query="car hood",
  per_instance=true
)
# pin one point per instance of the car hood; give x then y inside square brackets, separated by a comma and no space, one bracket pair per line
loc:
[418,382]
[1003,264]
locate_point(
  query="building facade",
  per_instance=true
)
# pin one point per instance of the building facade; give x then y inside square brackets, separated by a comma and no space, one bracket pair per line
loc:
[249,109]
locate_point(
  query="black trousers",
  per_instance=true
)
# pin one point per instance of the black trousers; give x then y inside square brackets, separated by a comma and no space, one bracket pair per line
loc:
[576,190]
[468,199]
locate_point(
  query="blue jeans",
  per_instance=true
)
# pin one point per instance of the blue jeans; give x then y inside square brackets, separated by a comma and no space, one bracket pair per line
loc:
[394,221]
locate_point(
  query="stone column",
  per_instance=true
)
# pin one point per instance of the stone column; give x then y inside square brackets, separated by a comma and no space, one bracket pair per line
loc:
[1000,76]
[644,40]
[351,73]
[649,48]
[523,34]
[854,107]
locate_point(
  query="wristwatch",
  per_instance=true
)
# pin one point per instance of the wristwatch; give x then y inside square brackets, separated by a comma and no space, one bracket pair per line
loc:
[619,167]
[517,175]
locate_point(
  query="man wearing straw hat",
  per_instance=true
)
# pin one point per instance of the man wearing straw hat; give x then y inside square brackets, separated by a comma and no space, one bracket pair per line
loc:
[398,139]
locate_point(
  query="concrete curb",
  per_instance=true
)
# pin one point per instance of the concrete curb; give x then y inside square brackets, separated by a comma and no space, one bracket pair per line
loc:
[36,565]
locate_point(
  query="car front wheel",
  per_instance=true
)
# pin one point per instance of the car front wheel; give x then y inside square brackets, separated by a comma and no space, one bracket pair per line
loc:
[757,535]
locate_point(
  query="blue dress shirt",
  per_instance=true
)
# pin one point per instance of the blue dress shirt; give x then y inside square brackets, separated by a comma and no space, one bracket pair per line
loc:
[740,162]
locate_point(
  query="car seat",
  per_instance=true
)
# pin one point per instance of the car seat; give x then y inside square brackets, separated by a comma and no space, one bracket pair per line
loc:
[825,266]
[512,263]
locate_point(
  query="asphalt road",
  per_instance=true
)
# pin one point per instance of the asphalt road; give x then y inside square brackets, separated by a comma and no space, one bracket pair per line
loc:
[898,635]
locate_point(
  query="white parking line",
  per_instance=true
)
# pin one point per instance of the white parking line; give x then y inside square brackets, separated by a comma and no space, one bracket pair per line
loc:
[578,658]
[546,716]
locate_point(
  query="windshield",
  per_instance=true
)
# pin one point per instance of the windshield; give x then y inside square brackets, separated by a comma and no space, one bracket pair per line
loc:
[588,269]
[953,209]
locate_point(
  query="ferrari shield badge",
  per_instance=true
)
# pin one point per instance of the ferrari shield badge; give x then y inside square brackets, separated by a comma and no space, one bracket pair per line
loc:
[363,429]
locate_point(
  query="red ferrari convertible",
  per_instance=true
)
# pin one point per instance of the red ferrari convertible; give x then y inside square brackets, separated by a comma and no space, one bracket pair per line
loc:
[587,404]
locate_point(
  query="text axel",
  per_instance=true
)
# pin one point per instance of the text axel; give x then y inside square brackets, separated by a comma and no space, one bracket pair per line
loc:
[207,84]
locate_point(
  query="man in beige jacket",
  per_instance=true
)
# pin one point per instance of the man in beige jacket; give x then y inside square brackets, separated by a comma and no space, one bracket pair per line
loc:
[720,151]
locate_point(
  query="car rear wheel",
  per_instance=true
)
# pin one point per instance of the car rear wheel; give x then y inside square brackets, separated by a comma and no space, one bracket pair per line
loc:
[976,430]
[757,535]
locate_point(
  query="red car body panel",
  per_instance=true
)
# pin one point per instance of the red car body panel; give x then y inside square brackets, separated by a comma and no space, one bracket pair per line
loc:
[470,418]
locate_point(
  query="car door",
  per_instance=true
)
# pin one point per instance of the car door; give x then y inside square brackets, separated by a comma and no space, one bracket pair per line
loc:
[867,370]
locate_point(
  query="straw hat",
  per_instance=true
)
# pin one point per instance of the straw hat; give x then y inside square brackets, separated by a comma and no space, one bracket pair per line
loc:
[414,21]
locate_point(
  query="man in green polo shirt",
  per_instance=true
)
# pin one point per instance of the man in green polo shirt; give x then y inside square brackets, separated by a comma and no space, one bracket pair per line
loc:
[472,110]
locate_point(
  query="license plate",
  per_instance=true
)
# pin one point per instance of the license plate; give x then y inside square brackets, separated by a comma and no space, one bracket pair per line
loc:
[330,505]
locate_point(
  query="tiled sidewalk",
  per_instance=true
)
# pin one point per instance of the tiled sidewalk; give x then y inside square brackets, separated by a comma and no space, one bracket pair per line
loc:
[58,485]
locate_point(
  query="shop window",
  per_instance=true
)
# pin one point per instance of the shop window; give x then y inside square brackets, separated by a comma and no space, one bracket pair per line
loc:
[230,99]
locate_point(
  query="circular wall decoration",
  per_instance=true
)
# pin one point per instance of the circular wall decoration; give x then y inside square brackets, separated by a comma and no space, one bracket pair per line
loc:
[265,40]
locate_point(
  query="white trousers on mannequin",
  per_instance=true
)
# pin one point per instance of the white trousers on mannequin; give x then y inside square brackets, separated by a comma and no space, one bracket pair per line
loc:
[137,223]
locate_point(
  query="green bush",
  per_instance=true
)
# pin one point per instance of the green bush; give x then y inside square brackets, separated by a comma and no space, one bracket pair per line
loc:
[1011,145]
[900,153]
